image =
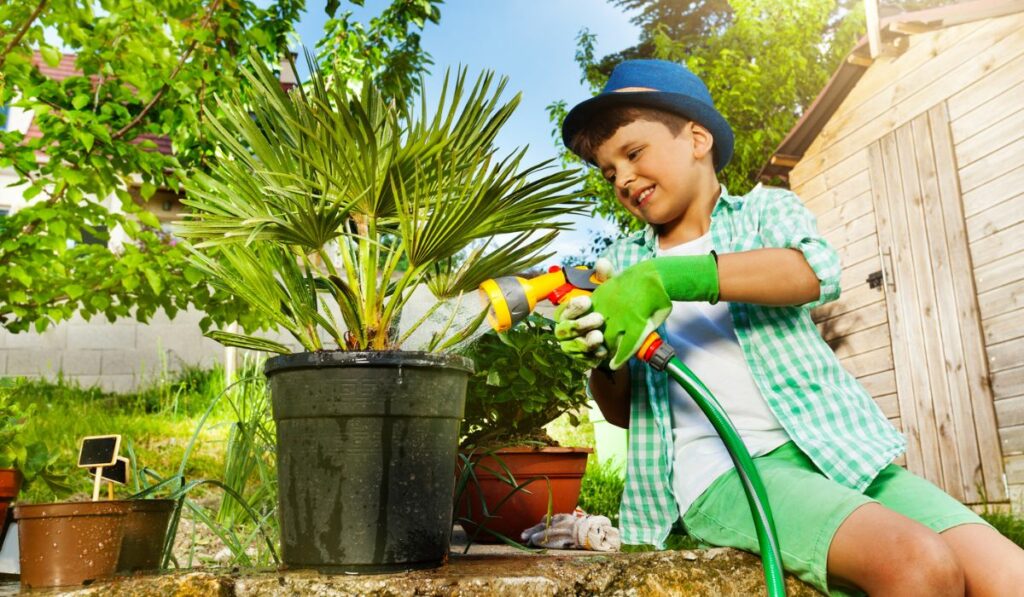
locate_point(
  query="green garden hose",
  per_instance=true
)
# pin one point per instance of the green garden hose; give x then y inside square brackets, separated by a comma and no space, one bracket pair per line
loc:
[771,557]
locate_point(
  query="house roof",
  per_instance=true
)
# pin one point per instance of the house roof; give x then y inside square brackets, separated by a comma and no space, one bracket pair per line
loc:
[893,31]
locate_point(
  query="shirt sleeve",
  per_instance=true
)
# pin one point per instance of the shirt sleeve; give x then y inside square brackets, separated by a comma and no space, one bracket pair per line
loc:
[787,224]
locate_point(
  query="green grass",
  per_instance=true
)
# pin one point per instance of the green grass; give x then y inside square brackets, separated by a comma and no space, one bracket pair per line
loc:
[158,421]
[1010,525]
[601,490]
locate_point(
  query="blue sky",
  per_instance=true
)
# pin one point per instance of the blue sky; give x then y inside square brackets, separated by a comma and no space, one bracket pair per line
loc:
[532,42]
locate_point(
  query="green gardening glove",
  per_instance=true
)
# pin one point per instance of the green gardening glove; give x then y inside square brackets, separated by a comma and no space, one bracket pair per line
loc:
[639,300]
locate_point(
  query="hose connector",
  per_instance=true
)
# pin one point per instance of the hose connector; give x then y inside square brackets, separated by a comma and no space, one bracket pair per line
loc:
[656,352]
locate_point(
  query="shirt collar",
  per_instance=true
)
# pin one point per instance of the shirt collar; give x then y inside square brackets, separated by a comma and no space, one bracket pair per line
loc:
[648,237]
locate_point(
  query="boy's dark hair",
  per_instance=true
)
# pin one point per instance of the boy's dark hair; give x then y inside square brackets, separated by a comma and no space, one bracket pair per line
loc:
[602,127]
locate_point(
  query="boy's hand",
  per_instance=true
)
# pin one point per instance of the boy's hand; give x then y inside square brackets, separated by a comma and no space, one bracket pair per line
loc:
[578,328]
[639,300]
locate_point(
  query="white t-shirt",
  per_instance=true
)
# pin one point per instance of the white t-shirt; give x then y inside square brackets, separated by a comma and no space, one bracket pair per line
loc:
[704,339]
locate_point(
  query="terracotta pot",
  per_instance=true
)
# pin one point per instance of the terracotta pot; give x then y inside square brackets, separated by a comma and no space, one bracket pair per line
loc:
[145,530]
[69,543]
[562,467]
[10,483]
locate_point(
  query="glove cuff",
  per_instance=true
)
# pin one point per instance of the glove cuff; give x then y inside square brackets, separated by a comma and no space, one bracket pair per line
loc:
[689,277]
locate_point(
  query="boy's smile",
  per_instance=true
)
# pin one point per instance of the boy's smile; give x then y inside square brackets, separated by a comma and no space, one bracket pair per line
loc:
[658,176]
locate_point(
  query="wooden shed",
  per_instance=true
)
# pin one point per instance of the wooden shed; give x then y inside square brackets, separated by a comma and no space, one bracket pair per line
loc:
[913,163]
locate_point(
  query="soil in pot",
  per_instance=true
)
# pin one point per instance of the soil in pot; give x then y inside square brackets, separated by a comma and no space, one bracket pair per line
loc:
[366,452]
[145,531]
[70,543]
[560,468]
[10,483]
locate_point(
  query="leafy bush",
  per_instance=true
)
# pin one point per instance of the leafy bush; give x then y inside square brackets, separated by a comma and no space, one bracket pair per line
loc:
[522,383]
[601,491]
[32,458]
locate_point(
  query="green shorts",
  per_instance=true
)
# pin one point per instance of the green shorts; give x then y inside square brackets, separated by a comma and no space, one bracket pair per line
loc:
[808,508]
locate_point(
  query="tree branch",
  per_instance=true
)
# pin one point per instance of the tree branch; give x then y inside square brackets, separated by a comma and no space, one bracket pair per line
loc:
[177,69]
[24,29]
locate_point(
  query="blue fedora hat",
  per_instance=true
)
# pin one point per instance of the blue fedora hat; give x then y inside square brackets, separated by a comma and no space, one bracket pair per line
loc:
[673,88]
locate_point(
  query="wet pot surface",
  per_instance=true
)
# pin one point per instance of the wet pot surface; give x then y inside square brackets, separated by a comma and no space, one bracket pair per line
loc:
[366,457]
[70,543]
[145,531]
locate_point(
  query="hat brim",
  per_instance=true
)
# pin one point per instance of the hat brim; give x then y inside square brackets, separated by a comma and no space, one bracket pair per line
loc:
[703,114]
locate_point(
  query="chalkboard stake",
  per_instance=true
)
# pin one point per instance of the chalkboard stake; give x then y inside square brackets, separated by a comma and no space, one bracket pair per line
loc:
[96,484]
[110,491]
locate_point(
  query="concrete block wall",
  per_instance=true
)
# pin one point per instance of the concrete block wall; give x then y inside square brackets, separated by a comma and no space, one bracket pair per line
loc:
[117,357]
[126,355]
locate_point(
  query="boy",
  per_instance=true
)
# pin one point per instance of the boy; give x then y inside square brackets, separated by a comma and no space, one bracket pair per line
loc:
[730,281]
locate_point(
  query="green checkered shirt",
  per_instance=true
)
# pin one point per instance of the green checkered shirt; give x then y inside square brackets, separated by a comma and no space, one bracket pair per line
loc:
[822,407]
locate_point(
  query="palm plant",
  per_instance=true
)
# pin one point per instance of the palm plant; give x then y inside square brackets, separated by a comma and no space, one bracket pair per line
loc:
[328,203]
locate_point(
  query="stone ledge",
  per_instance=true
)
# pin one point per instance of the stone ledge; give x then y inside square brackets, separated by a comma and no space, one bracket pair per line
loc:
[702,572]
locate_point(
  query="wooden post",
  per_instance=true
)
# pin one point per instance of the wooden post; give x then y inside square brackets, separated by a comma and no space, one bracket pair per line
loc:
[231,357]
[96,483]
[874,31]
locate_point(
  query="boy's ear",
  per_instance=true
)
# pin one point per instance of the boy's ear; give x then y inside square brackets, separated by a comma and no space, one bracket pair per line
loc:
[703,140]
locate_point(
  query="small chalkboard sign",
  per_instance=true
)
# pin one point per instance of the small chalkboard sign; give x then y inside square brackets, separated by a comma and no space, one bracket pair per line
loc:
[99,451]
[116,473]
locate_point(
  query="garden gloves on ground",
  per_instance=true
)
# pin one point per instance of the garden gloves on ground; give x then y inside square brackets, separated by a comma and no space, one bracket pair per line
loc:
[634,303]
[578,530]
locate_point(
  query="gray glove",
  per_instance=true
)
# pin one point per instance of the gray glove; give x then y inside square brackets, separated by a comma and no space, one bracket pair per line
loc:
[578,327]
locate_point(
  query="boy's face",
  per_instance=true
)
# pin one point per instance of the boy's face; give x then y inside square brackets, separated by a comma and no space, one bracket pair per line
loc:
[656,174]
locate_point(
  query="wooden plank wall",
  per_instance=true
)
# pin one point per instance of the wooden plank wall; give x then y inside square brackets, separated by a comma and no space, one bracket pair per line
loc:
[978,69]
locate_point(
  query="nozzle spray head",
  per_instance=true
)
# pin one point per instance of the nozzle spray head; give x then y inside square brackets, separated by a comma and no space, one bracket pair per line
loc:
[512,298]
[508,301]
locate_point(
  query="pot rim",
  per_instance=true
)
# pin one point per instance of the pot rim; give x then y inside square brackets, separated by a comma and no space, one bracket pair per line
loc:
[361,358]
[151,505]
[532,449]
[69,509]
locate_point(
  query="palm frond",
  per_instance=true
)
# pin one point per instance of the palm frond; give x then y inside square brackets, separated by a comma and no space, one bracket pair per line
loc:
[327,201]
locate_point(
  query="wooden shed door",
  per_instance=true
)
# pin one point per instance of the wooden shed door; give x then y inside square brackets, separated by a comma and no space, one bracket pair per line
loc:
[945,401]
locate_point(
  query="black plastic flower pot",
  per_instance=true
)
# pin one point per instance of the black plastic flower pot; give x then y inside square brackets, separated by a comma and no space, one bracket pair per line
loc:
[366,453]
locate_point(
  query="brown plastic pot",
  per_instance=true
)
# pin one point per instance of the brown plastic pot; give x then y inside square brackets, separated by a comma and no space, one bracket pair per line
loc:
[69,543]
[562,468]
[10,483]
[145,531]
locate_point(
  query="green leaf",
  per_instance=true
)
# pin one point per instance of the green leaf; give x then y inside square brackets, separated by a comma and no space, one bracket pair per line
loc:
[80,101]
[74,290]
[51,55]
[155,282]
[147,190]
[99,301]
[86,139]
[148,218]
[248,342]
[192,275]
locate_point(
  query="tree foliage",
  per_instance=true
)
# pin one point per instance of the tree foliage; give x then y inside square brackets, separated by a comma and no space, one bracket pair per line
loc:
[146,69]
[764,61]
